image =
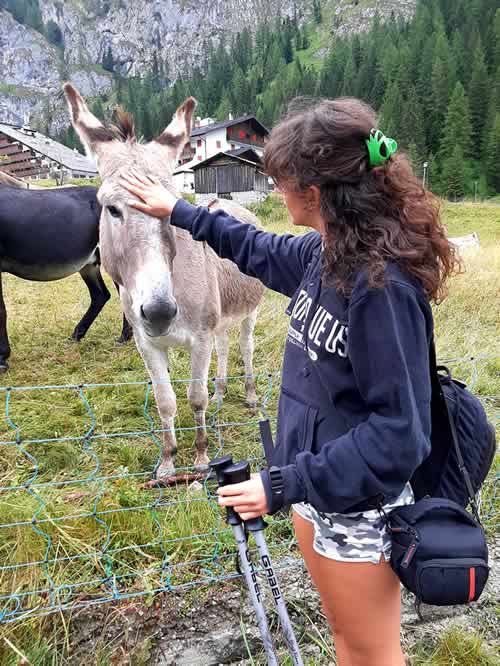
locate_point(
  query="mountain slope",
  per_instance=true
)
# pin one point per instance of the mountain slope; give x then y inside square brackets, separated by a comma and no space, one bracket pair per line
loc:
[174,32]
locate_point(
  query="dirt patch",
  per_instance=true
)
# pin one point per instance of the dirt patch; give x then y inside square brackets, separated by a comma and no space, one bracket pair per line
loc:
[216,624]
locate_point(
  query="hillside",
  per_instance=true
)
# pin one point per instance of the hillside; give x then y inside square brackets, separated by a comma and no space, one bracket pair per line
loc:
[44,42]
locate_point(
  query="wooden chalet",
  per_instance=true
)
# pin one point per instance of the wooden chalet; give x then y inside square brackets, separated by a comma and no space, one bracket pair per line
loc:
[208,137]
[25,153]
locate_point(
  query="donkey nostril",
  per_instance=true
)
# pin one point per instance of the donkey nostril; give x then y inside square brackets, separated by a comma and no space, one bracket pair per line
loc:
[158,313]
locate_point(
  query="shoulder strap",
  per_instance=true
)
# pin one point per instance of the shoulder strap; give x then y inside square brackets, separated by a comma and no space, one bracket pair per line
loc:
[436,386]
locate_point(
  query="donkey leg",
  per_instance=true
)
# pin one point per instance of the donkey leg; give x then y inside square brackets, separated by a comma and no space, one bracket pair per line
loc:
[99,296]
[247,348]
[198,397]
[222,350]
[156,363]
[4,338]
[127,331]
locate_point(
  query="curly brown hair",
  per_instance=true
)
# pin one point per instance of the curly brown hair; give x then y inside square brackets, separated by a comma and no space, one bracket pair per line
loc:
[372,215]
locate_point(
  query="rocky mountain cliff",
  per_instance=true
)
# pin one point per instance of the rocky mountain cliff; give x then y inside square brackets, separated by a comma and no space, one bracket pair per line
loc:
[32,69]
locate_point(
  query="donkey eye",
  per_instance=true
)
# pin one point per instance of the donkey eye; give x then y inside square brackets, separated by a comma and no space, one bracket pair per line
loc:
[113,211]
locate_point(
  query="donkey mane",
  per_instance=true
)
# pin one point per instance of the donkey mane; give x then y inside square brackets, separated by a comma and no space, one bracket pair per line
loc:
[123,126]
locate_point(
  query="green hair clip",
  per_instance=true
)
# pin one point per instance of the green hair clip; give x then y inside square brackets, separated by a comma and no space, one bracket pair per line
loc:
[380,148]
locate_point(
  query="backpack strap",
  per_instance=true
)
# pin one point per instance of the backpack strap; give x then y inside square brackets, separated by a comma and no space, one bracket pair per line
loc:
[436,386]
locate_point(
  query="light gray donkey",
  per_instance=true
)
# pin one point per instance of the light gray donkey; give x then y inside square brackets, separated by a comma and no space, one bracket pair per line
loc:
[174,291]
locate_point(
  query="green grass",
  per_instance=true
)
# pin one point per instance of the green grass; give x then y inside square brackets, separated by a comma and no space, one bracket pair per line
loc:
[456,648]
[41,318]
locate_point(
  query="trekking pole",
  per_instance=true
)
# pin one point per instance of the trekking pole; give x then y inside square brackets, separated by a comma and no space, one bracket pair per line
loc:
[219,465]
[237,474]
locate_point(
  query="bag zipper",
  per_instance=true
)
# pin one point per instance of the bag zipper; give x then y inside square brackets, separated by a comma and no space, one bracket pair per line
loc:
[412,548]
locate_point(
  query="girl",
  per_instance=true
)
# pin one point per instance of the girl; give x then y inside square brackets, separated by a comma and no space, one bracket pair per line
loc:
[354,409]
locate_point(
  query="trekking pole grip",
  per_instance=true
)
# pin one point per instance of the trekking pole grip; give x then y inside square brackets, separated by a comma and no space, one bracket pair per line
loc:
[238,473]
[219,465]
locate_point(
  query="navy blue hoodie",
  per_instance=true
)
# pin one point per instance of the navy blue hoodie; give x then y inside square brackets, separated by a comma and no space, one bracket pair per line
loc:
[354,409]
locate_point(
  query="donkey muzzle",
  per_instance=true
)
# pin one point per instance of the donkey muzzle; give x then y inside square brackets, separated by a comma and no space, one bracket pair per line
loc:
[157,316]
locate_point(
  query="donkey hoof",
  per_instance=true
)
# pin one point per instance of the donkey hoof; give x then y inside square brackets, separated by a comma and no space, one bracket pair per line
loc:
[201,463]
[4,366]
[122,341]
[76,337]
[164,472]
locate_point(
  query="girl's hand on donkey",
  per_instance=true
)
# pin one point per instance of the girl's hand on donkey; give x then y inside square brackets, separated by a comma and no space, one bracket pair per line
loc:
[156,200]
[247,498]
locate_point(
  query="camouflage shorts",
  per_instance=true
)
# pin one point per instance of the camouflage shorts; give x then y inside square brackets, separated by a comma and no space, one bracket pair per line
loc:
[352,537]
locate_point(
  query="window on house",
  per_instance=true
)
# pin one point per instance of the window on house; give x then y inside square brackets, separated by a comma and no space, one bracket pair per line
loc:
[254,137]
[218,144]
[198,143]
[233,146]
[199,158]
[242,134]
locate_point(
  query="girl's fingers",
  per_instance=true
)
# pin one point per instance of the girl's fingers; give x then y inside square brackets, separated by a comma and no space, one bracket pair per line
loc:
[232,500]
[139,176]
[132,187]
[144,208]
[250,515]
[240,502]
[233,489]
[130,178]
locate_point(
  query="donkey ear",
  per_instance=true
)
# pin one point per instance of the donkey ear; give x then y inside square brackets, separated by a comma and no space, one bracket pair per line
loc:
[89,128]
[177,134]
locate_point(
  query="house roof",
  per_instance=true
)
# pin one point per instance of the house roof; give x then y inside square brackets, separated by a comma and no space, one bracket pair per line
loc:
[244,150]
[199,131]
[237,158]
[187,167]
[71,159]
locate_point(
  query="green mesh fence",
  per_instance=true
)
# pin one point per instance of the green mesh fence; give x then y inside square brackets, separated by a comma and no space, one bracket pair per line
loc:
[79,525]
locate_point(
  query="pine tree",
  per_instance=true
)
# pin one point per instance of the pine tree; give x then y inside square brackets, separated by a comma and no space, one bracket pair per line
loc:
[349,77]
[287,44]
[457,129]
[493,108]
[496,41]
[415,158]
[318,16]
[240,94]
[443,83]
[460,56]
[478,94]
[377,92]
[305,38]
[390,120]
[412,124]
[453,177]
[492,156]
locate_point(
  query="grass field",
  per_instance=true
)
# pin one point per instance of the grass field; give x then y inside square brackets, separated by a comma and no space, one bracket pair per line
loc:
[94,520]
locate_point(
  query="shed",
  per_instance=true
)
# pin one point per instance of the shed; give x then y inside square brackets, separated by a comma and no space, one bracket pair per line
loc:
[231,176]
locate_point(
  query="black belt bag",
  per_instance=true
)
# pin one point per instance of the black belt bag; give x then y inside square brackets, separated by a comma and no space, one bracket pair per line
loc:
[439,549]
[439,552]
